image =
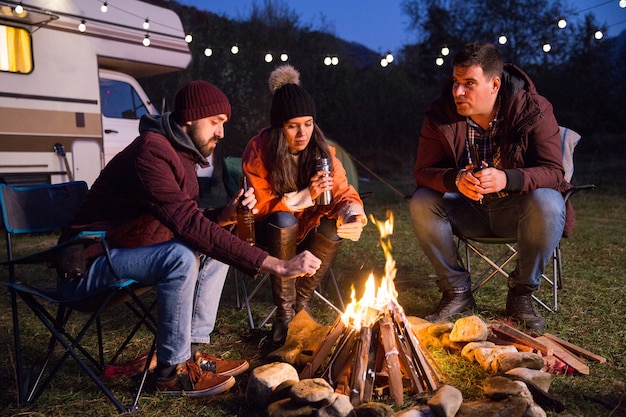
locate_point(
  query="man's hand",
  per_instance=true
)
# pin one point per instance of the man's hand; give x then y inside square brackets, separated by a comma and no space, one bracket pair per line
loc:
[304,263]
[475,185]
[229,213]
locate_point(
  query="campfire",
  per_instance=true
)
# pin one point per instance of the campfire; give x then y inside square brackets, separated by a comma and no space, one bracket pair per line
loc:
[371,347]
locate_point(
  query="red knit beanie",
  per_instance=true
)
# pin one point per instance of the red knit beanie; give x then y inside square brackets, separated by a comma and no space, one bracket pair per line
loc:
[200,99]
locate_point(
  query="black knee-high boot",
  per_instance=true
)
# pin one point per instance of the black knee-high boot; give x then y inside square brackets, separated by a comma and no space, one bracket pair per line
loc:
[326,250]
[281,243]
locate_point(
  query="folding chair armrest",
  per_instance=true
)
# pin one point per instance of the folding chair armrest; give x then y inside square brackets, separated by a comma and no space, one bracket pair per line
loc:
[578,188]
[48,254]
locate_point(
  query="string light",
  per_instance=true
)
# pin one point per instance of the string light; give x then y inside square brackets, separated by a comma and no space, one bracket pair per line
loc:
[329,60]
[19,9]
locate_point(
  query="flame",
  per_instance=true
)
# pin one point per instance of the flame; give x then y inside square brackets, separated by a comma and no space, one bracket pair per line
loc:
[375,301]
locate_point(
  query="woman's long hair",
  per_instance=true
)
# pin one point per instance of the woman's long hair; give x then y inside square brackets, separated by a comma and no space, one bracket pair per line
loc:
[285,174]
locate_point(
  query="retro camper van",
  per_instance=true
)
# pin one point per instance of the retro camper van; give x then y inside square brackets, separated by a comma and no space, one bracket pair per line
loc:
[69,99]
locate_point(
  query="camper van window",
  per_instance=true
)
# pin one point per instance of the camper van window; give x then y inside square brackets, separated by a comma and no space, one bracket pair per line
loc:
[120,100]
[15,50]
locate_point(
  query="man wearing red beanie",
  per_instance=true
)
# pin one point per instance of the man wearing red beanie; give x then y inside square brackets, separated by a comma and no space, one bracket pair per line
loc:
[145,201]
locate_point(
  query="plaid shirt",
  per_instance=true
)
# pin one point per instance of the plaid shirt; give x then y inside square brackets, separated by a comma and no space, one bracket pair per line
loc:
[488,142]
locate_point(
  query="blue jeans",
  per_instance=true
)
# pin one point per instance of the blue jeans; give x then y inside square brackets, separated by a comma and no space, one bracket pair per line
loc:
[535,219]
[189,287]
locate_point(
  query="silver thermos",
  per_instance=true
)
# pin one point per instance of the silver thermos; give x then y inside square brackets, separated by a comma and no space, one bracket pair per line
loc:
[324,199]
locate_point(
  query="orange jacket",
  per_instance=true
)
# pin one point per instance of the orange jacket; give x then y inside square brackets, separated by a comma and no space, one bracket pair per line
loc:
[345,198]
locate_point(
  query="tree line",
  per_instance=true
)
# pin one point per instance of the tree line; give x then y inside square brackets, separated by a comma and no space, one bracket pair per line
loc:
[375,113]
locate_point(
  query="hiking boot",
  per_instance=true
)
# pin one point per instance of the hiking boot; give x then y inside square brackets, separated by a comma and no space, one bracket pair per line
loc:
[191,381]
[221,366]
[452,303]
[520,308]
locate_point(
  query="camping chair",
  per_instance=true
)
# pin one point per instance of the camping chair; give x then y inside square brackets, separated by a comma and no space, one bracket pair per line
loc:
[497,264]
[231,173]
[43,209]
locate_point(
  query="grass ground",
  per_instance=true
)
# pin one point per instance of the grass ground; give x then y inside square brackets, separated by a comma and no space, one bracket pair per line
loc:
[592,312]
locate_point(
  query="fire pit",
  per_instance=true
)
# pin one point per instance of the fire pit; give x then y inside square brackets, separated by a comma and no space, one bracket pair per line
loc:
[371,346]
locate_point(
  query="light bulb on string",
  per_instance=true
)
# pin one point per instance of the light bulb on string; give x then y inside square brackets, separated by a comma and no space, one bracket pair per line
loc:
[546,47]
[146,40]
[268,57]
[146,24]
[334,60]
[439,61]
[104,7]
[208,52]
[384,62]
[562,23]
[445,51]
[234,50]
[502,40]
[327,61]
[389,57]
[19,9]
[82,26]
[598,35]
[188,38]
[622,4]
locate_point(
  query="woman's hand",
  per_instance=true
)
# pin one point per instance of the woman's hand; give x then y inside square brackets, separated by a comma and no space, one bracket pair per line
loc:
[351,227]
[320,182]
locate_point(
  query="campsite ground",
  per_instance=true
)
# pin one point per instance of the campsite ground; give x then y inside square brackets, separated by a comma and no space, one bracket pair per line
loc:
[591,314]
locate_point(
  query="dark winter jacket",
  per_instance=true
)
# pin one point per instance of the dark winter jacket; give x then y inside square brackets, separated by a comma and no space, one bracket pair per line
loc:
[531,143]
[147,194]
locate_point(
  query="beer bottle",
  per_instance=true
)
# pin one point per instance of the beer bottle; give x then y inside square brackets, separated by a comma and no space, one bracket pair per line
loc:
[245,217]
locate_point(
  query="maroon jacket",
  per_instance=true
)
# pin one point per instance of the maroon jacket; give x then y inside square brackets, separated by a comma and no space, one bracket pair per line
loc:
[147,194]
[531,143]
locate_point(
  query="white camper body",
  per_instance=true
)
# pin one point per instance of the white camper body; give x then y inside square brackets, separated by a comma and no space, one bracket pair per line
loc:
[78,103]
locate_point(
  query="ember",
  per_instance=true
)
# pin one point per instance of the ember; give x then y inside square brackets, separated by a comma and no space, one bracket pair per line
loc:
[371,346]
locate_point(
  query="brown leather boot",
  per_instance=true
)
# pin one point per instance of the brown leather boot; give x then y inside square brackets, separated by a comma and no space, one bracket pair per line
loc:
[281,243]
[326,250]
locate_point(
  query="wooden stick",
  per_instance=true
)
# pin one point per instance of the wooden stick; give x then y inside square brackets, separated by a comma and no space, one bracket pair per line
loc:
[391,358]
[407,359]
[370,374]
[424,366]
[575,349]
[343,353]
[564,355]
[323,350]
[359,371]
[518,336]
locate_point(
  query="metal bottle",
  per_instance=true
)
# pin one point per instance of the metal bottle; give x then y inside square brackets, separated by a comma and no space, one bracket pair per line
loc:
[324,199]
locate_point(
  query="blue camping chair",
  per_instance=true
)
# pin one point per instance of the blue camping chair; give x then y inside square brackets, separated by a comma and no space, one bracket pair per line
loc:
[44,209]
